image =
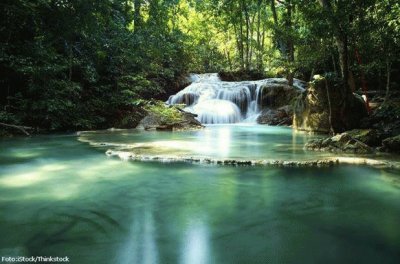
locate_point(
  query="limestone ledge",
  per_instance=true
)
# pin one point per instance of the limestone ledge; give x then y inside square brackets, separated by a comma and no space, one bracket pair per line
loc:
[326,162]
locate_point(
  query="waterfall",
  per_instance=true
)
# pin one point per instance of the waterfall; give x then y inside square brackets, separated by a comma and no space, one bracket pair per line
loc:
[215,101]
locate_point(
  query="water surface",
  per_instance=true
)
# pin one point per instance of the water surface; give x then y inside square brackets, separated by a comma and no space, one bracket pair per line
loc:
[235,141]
[63,197]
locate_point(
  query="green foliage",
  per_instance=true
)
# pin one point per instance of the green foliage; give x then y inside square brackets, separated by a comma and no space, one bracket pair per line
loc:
[389,110]
[136,86]
[77,64]
[167,114]
[7,117]
[85,64]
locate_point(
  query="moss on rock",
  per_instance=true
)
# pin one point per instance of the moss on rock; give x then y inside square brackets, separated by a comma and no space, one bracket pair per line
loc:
[163,117]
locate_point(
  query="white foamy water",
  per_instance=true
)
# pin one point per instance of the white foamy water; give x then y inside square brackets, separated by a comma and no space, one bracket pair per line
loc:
[219,102]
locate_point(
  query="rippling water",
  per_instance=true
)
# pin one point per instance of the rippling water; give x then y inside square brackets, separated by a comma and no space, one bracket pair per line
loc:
[63,197]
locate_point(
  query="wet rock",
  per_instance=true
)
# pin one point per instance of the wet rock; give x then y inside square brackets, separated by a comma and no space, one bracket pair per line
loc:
[371,137]
[149,121]
[321,107]
[282,116]
[392,144]
[341,143]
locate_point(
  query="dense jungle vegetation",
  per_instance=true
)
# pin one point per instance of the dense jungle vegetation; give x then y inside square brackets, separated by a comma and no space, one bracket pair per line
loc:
[86,64]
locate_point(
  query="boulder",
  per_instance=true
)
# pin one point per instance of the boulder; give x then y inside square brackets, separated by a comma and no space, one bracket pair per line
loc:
[341,143]
[156,120]
[371,137]
[275,95]
[282,116]
[323,106]
[149,121]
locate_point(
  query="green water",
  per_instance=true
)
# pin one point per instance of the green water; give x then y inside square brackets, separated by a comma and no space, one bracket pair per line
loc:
[236,141]
[60,196]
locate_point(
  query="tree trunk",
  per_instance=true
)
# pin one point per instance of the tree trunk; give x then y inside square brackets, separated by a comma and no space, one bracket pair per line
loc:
[341,42]
[247,40]
[241,46]
[352,82]
[289,43]
[388,73]
[137,19]
[274,14]
[332,131]
[229,60]
[334,64]
[380,80]
[264,29]
[238,45]
[251,37]
[70,62]
[259,51]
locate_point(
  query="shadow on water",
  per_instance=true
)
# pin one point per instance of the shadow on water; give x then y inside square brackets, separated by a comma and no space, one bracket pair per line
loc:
[74,229]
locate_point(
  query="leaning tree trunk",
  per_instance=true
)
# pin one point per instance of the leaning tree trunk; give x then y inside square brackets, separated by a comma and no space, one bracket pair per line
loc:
[23,129]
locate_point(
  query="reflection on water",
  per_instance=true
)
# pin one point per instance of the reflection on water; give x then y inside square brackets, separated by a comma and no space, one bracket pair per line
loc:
[140,246]
[245,142]
[195,247]
[241,141]
[65,197]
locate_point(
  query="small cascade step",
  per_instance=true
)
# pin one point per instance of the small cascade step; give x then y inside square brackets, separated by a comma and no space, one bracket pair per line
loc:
[218,102]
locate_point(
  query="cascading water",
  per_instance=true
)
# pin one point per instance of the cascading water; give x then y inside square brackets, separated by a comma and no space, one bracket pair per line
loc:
[215,101]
